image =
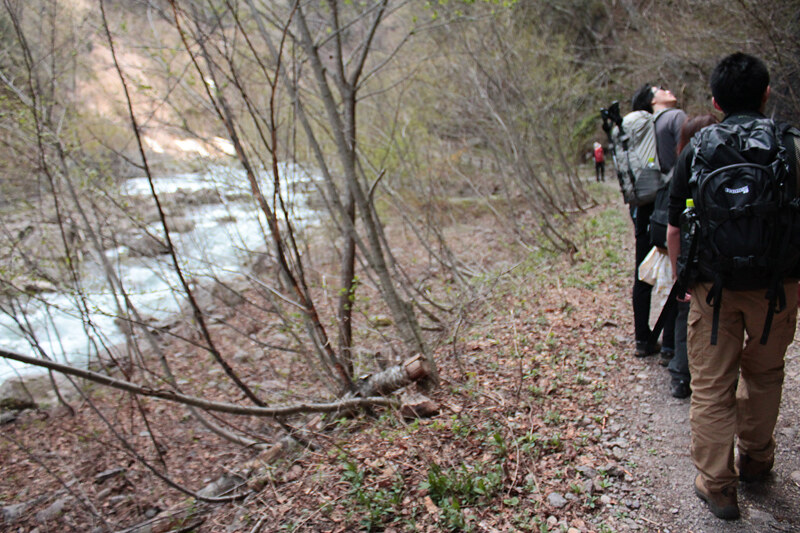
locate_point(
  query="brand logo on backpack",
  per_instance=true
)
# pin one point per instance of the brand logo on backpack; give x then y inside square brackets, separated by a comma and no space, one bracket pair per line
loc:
[740,190]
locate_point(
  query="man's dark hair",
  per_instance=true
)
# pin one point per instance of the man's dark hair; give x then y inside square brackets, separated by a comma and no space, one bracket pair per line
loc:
[738,83]
[643,98]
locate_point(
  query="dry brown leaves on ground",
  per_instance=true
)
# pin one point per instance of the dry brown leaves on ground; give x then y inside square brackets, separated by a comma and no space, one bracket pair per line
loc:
[521,440]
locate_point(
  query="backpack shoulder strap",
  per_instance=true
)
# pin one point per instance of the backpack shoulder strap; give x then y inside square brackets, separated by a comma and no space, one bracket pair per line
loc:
[791,141]
[663,112]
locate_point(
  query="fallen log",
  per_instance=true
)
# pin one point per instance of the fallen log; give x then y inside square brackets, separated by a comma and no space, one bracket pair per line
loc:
[393,378]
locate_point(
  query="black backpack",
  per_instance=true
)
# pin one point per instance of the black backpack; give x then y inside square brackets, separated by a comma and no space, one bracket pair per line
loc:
[660,218]
[744,186]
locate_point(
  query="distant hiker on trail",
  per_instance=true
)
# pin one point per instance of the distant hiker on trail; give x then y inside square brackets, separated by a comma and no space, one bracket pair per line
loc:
[741,176]
[680,383]
[599,162]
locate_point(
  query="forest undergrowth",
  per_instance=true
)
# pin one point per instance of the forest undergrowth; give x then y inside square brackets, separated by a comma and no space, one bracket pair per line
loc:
[533,432]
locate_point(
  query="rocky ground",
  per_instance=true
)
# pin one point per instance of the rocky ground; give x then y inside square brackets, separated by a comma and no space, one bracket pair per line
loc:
[658,442]
[546,422]
[658,437]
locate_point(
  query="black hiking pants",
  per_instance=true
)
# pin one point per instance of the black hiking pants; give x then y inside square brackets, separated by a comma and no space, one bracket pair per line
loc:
[641,290]
[679,364]
[600,170]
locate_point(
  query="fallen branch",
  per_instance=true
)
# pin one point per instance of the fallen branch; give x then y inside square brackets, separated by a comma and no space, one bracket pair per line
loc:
[186,517]
[223,407]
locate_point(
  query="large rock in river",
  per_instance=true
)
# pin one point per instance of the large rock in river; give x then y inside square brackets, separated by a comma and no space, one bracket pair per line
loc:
[147,246]
[15,396]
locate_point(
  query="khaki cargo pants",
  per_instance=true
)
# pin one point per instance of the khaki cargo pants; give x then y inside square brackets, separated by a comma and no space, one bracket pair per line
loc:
[736,385]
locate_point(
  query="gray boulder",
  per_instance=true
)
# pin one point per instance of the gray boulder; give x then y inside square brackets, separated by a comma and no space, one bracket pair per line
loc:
[15,396]
[147,246]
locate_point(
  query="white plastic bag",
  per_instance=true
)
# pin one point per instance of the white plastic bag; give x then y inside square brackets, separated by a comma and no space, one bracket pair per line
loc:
[656,270]
[648,269]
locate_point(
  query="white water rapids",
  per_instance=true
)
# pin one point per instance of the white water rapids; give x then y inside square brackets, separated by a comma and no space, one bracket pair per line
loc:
[222,236]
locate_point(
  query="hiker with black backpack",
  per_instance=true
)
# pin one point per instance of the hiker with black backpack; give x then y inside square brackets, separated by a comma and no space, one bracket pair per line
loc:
[736,184]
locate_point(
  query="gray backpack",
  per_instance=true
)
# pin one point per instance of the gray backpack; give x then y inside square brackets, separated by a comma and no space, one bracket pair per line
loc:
[636,159]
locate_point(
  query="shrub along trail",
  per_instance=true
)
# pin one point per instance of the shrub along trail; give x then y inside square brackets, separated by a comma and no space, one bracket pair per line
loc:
[546,423]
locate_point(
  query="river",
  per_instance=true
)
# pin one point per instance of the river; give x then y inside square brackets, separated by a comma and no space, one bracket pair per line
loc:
[222,237]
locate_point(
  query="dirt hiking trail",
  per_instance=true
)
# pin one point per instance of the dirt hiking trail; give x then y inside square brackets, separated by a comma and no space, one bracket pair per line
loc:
[659,446]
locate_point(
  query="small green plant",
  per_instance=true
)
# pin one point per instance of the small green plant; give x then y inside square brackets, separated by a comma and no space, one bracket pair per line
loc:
[454,488]
[499,444]
[551,340]
[375,506]
[552,418]
[591,501]
[598,395]
[538,445]
[511,502]
[461,427]
[531,373]
[528,442]
[554,443]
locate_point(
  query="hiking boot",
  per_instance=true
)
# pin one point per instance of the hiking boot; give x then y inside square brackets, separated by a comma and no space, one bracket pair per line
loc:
[751,470]
[643,349]
[722,504]
[679,388]
[666,356]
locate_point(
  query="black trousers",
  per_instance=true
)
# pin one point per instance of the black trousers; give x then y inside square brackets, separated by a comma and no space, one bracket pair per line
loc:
[679,365]
[600,170]
[641,290]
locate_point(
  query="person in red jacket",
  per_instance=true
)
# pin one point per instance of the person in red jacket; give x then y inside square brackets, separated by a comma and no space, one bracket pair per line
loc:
[599,162]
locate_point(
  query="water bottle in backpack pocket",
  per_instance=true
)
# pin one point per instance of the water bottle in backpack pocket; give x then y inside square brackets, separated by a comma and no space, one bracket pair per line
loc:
[687,258]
